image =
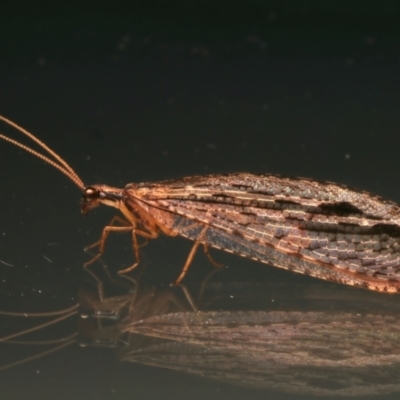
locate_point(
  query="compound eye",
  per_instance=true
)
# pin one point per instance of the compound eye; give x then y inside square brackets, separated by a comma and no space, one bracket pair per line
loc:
[90,194]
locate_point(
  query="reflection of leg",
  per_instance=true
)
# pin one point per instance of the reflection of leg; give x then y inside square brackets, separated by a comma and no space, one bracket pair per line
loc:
[189,297]
[135,245]
[126,227]
[92,304]
[204,284]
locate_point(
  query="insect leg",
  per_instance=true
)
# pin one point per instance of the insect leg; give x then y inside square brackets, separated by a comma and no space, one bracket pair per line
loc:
[188,262]
[212,261]
[126,227]
[135,245]
[191,255]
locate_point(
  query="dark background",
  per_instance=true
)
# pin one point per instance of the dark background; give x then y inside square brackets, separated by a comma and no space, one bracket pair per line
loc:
[162,90]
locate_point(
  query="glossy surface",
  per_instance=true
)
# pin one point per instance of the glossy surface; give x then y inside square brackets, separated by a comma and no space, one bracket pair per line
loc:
[310,93]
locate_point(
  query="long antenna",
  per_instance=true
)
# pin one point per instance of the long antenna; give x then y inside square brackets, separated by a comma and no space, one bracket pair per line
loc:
[59,162]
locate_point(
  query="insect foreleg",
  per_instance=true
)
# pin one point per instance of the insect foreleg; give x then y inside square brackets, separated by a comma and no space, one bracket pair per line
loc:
[135,245]
[126,227]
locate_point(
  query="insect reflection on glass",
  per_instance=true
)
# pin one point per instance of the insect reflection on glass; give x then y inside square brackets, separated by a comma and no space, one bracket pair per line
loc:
[53,345]
[321,229]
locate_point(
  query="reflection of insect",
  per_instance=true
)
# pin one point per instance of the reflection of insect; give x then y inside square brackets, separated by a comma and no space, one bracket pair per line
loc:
[55,344]
[315,228]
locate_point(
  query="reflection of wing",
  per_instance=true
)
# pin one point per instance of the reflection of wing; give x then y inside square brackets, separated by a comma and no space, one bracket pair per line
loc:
[320,229]
[325,353]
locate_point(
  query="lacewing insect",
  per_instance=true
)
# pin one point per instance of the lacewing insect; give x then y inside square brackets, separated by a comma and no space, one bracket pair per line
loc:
[321,229]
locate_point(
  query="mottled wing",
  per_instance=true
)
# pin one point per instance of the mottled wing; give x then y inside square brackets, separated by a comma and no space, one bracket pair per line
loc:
[318,228]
